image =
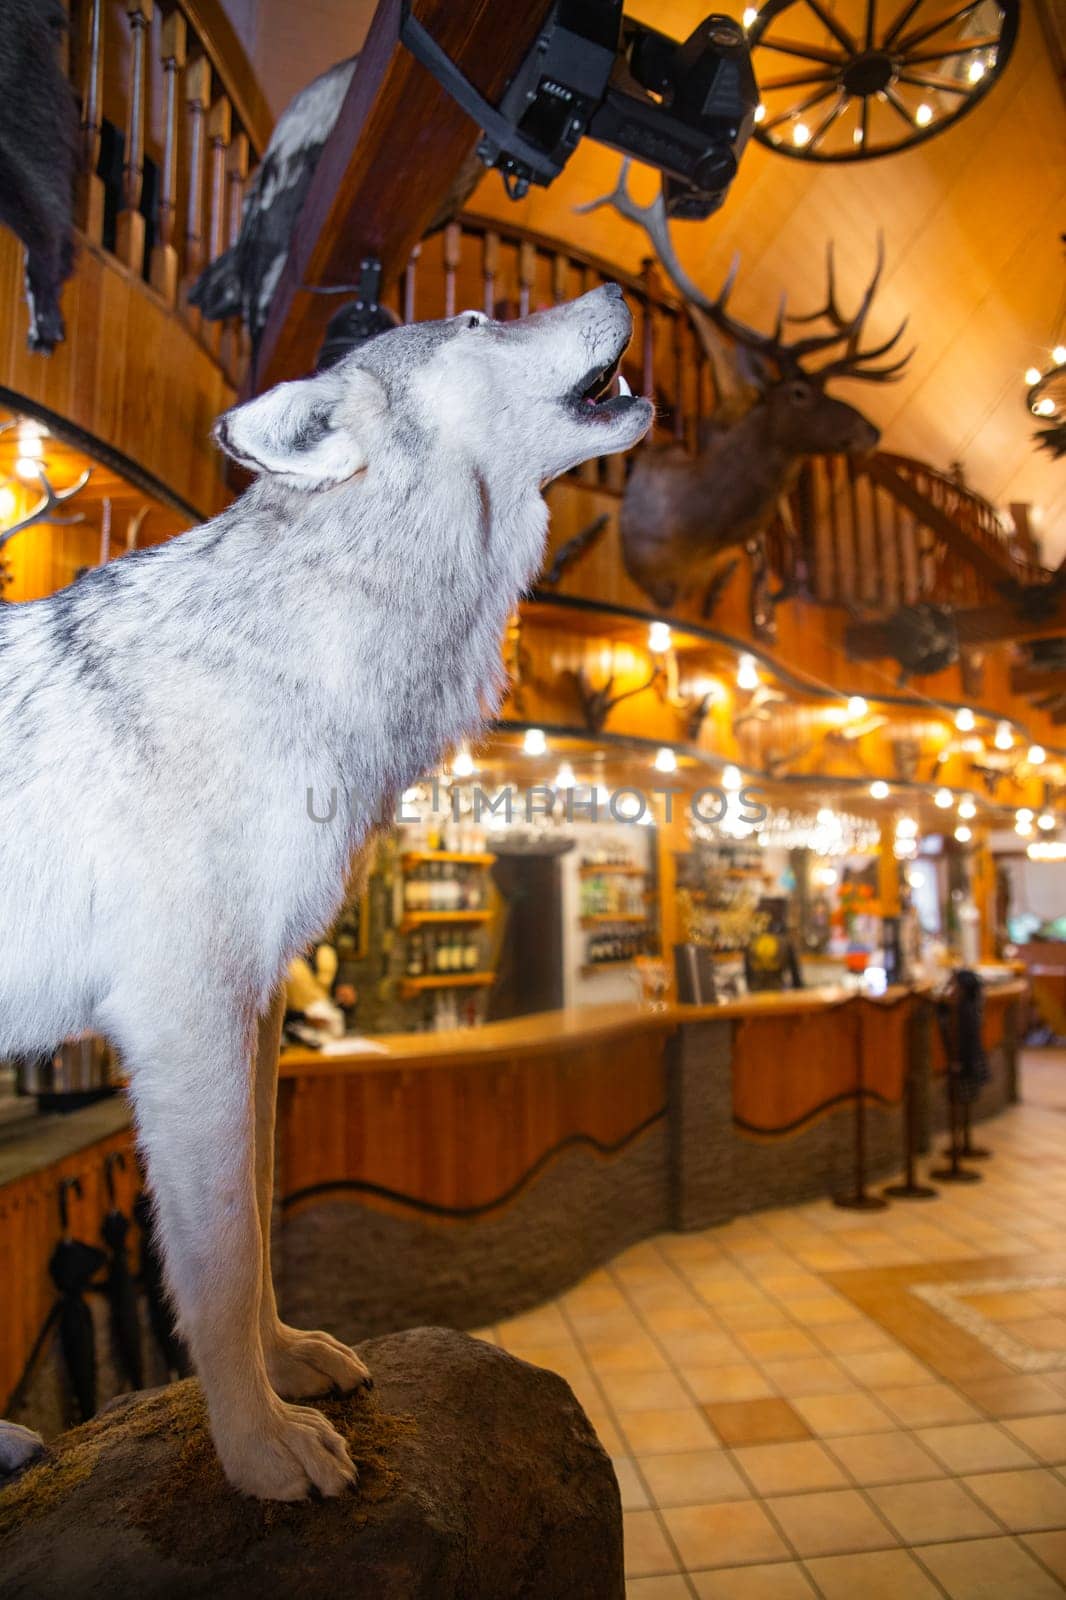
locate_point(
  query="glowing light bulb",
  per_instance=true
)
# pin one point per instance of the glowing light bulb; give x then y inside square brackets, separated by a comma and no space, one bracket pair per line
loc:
[1058,355]
[564,778]
[7,503]
[801,135]
[906,828]
[967,809]
[856,137]
[1023,814]
[857,706]
[924,115]
[943,798]
[747,676]
[665,759]
[964,720]
[1045,407]
[1033,375]
[750,14]
[659,638]
[26,468]
[731,778]
[760,112]
[879,789]
[1045,821]
[1036,755]
[1024,828]
[825,817]
[963,834]
[976,71]
[462,763]
[1004,739]
[534,743]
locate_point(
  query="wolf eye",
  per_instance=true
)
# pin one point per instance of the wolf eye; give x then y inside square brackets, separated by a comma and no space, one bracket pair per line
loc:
[473,319]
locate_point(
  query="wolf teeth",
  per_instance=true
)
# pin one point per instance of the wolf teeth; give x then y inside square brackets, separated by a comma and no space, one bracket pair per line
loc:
[623,388]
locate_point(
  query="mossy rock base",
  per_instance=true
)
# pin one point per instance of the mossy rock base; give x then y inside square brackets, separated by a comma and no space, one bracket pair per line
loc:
[480,1478]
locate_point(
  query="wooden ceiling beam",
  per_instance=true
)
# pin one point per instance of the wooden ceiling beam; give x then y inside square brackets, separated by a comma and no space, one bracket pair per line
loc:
[399,144]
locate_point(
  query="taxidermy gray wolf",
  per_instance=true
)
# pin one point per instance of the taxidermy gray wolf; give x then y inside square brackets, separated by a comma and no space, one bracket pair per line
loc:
[163,723]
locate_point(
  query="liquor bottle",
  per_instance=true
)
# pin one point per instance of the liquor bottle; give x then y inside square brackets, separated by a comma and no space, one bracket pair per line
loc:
[470,953]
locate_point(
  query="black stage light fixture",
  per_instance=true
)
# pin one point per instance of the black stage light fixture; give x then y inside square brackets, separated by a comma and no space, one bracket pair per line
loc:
[686,108]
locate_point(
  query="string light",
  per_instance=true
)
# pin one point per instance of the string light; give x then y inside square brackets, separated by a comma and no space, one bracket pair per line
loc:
[857,706]
[1036,755]
[1023,814]
[965,720]
[659,638]
[462,763]
[906,828]
[924,115]
[879,789]
[7,503]
[731,778]
[801,135]
[1004,739]
[1047,850]
[1058,355]
[665,759]
[944,799]
[963,834]
[1032,375]
[1023,827]
[564,778]
[26,467]
[825,817]
[760,112]
[1044,407]
[534,743]
[747,675]
[967,809]
[1045,821]
[976,71]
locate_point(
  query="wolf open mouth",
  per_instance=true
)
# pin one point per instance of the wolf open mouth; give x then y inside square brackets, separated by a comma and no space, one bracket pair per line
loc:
[603,393]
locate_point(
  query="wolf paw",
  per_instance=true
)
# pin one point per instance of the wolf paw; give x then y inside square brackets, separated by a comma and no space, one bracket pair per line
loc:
[290,1452]
[18,1447]
[300,1365]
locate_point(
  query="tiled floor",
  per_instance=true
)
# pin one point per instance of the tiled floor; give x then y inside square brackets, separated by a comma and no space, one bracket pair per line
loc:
[790,1419]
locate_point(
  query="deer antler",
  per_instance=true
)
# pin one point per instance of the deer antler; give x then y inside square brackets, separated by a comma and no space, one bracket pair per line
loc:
[788,357]
[44,510]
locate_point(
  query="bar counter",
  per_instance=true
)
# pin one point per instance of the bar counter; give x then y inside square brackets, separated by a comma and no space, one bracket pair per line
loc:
[463,1177]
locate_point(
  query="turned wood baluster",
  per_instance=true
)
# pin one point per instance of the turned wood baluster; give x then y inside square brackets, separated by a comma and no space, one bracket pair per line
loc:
[90,185]
[197,97]
[527,271]
[130,226]
[164,266]
[410,284]
[453,249]
[236,346]
[490,266]
[560,277]
[219,127]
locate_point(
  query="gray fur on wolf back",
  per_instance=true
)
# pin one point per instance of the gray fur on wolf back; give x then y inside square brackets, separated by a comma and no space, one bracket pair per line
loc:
[163,719]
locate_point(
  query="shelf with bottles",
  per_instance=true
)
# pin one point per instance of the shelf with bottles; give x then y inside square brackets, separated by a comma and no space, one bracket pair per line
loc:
[467,858]
[622,869]
[445,886]
[610,918]
[611,895]
[441,919]
[618,948]
[450,948]
[450,980]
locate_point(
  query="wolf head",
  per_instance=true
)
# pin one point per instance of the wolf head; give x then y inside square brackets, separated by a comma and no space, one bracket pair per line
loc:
[536,396]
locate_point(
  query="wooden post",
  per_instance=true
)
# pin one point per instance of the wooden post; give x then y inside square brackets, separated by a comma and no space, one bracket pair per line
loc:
[164,265]
[129,229]
[490,266]
[527,272]
[90,186]
[219,127]
[197,97]
[236,346]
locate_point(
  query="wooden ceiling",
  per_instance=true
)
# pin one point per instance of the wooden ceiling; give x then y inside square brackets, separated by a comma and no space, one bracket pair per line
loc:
[971,220]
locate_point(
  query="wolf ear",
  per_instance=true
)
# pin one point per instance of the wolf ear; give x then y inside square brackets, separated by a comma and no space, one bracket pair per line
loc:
[316,431]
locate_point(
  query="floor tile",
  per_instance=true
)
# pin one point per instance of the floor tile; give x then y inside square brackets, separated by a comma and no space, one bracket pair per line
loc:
[832,1522]
[737,1380]
[683,1319]
[1045,1437]
[875,1368]
[713,1348]
[647,1548]
[789,1468]
[808,1375]
[752,1314]
[693,1477]
[831,1415]
[884,1457]
[819,1310]
[1041,1333]
[742,1422]
[623,1355]
[663,1432]
[776,1344]
[927,1405]
[783,1580]
[606,1432]
[853,1338]
[642,1391]
[726,1535]
[1019,1396]
[666,1586]
[1050,1548]
[989,1569]
[974,1447]
[634,1495]
[927,1513]
[876,1575]
[1024,1502]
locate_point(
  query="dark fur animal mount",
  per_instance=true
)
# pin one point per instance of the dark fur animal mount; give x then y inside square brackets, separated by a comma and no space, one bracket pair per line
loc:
[680,512]
[38,157]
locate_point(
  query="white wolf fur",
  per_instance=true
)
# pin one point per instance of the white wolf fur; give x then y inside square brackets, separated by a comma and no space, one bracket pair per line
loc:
[162,724]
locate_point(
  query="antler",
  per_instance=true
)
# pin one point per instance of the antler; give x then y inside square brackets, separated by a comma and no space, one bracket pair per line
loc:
[44,509]
[788,357]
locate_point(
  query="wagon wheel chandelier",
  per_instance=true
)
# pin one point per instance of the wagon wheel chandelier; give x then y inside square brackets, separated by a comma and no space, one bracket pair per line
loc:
[839,82]
[1046,389]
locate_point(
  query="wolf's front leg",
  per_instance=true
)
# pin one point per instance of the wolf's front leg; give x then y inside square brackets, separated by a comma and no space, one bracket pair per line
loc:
[298,1364]
[195,1112]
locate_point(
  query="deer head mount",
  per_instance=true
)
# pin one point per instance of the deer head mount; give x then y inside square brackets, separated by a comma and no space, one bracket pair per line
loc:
[44,511]
[680,512]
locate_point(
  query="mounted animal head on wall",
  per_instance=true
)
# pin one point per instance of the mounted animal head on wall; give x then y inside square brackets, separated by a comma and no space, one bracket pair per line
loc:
[681,511]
